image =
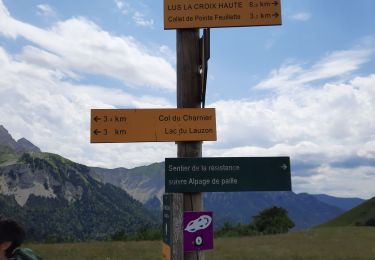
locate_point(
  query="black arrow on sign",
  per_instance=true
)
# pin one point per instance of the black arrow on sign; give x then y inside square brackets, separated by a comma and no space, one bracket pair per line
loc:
[96,132]
[96,119]
[275,15]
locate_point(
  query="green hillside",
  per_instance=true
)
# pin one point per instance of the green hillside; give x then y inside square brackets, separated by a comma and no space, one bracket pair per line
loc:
[7,155]
[58,200]
[362,215]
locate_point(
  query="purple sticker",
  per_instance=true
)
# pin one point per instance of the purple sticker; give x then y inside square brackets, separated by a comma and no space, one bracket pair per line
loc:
[198,231]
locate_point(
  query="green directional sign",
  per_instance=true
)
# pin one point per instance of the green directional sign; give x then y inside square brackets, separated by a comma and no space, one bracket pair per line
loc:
[167,218]
[227,174]
[167,226]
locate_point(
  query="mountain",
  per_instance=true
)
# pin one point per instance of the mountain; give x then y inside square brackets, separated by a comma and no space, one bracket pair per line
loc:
[303,209]
[6,139]
[146,184]
[342,203]
[25,145]
[58,200]
[362,215]
[20,146]
[31,180]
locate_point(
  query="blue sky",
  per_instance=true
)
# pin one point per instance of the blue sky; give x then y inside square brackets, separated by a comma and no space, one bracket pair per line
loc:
[305,89]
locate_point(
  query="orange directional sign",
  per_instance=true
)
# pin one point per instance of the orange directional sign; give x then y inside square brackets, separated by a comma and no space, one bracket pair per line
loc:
[166,252]
[179,14]
[152,125]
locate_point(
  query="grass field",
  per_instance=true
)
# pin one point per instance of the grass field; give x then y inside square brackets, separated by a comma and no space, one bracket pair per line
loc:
[322,243]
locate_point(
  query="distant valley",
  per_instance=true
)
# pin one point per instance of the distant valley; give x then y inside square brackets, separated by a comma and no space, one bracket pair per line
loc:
[58,199]
[146,184]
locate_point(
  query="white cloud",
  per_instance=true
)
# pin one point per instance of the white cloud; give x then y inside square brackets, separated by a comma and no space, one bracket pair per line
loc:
[42,99]
[82,46]
[327,130]
[140,20]
[45,10]
[339,182]
[119,4]
[123,6]
[138,17]
[334,65]
[55,115]
[168,53]
[302,16]
[322,116]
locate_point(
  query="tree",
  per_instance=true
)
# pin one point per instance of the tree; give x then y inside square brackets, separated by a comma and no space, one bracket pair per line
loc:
[273,220]
[147,232]
[370,222]
[120,236]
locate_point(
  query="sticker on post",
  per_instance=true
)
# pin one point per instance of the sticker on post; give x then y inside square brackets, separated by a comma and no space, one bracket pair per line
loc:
[200,223]
[198,231]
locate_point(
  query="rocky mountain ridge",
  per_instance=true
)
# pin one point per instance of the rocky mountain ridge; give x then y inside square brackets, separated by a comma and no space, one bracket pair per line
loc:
[20,146]
[58,200]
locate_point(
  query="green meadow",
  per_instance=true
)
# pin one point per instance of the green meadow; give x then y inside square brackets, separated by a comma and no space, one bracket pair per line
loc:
[320,243]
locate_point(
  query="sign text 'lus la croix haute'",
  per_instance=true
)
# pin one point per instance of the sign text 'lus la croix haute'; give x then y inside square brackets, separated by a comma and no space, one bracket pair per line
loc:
[182,14]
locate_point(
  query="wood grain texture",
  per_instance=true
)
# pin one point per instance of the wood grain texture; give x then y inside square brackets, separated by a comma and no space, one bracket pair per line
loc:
[189,96]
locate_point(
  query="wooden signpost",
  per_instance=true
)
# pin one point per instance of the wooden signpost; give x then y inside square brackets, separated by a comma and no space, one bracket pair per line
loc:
[189,95]
[190,124]
[187,17]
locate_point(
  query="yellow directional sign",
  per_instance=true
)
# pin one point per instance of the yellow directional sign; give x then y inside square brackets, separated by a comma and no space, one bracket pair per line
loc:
[152,125]
[179,14]
[166,251]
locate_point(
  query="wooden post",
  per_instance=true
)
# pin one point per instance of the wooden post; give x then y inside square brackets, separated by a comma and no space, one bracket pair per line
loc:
[188,96]
[177,252]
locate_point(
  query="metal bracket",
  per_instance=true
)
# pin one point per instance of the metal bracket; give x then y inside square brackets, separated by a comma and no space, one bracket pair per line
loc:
[204,43]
